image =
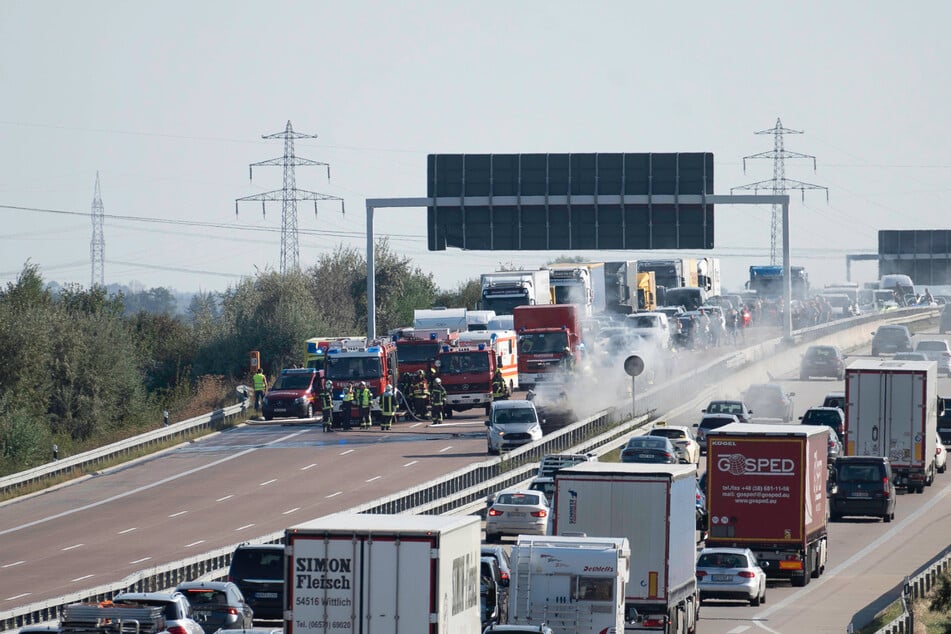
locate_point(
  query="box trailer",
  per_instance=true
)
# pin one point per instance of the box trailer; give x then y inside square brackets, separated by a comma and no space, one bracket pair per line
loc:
[766,491]
[654,507]
[891,411]
[383,574]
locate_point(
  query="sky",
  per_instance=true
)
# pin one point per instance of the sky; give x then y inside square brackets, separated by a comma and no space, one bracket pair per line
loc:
[168,102]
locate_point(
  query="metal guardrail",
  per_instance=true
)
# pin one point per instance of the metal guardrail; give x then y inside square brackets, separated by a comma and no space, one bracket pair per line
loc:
[462,488]
[916,588]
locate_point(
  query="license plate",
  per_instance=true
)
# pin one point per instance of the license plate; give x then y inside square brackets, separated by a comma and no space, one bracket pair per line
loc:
[517,514]
[280,409]
[265,595]
[645,455]
[722,578]
[859,494]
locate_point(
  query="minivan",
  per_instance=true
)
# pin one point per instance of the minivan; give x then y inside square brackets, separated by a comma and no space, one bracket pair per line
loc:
[296,392]
[862,485]
[258,571]
[511,424]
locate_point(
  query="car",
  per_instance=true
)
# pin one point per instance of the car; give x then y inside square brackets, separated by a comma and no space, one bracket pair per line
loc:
[769,400]
[944,439]
[493,595]
[891,338]
[835,446]
[546,486]
[177,610]
[517,512]
[831,417]
[941,456]
[688,450]
[834,399]
[653,324]
[655,449]
[936,350]
[739,408]
[862,485]
[944,321]
[296,392]
[910,356]
[258,571]
[711,421]
[502,558]
[826,361]
[511,424]
[701,511]
[217,605]
[730,573]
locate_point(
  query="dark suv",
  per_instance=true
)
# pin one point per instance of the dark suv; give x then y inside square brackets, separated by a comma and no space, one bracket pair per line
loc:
[892,338]
[258,571]
[295,393]
[822,361]
[712,421]
[831,417]
[769,400]
[862,485]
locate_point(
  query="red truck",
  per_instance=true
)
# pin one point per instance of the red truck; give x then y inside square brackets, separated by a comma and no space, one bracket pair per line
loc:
[416,348]
[766,491]
[466,370]
[544,331]
[356,359]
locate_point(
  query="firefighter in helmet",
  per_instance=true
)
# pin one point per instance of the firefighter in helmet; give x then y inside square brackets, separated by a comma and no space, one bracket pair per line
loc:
[327,405]
[437,400]
[568,359]
[388,408]
[500,389]
[420,398]
[363,397]
[346,407]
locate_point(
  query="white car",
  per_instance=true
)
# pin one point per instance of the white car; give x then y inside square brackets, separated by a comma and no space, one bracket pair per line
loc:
[941,457]
[688,449]
[654,325]
[511,424]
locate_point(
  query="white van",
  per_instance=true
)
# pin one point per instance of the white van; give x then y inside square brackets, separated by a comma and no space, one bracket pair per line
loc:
[653,325]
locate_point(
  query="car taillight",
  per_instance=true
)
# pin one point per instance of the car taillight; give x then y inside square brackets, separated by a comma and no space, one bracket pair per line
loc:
[701,573]
[885,486]
[654,621]
[232,611]
[667,455]
[494,512]
[540,513]
[746,574]
[505,576]
[177,629]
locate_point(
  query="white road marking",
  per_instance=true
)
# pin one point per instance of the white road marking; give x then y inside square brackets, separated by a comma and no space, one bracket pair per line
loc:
[18,596]
[374,478]
[415,424]
[227,497]
[410,464]
[177,514]
[333,495]
[15,563]
[73,546]
[128,530]
[289,511]
[152,485]
[445,449]
[200,541]
[271,481]
[241,528]
[310,466]
[81,578]
[348,451]
[138,561]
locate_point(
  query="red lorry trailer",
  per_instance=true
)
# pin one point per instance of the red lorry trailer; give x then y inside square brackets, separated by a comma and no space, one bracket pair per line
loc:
[766,491]
[891,411]
[544,331]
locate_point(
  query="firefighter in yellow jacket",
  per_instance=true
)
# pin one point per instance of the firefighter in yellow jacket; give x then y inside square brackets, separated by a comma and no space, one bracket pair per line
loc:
[364,396]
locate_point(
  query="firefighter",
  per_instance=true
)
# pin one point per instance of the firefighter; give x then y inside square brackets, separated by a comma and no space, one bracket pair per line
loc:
[363,397]
[568,360]
[327,405]
[388,408]
[420,399]
[500,389]
[346,405]
[437,399]
[260,387]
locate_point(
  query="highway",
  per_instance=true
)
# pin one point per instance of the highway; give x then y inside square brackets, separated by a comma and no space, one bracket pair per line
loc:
[256,479]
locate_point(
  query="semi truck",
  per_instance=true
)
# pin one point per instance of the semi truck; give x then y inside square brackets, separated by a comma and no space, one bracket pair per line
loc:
[451,319]
[891,411]
[708,275]
[667,273]
[766,491]
[571,584]
[466,369]
[654,507]
[767,281]
[384,574]
[626,290]
[543,334]
[582,284]
[502,291]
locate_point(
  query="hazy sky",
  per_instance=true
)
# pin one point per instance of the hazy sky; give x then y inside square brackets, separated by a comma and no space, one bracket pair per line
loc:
[168,101]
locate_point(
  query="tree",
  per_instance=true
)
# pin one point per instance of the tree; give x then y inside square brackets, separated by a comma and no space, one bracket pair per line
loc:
[467,294]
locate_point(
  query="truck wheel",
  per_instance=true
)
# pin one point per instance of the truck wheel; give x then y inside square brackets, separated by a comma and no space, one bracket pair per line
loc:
[268,417]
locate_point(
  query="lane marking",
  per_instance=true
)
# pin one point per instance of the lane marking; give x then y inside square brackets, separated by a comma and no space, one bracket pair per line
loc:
[73,546]
[15,563]
[348,451]
[445,449]
[138,561]
[81,578]
[271,481]
[200,541]
[227,497]
[18,596]
[333,495]
[288,512]
[152,485]
[241,528]
[374,478]
[128,530]
[311,465]
[177,514]
[415,425]
[410,464]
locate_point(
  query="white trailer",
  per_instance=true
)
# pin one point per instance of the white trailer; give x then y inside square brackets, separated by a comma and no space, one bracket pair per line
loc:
[654,507]
[891,411]
[383,574]
[571,584]
[582,284]
[502,291]
[453,319]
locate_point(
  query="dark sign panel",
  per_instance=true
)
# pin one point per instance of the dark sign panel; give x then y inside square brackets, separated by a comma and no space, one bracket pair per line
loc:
[570,201]
[922,254]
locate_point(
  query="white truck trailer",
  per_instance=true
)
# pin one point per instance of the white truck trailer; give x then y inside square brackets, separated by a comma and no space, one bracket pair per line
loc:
[571,584]
[452,319]
[654,507]
[582,284]
[383,574]
[891,410]
[502,291]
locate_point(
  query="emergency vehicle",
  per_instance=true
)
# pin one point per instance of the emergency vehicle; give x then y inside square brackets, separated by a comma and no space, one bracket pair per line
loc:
[355,359]
[416,348]
[466,369]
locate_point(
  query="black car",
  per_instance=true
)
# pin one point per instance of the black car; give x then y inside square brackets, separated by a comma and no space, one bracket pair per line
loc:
[656,449]
[258,571]
[822,361]
[862,485]
[831,417]
[502,557]
[493,595]
[712,421]
[769,400]
[891,338]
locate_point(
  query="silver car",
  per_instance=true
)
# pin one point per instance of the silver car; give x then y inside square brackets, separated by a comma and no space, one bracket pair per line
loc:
[730,573]
[511,424]
[937,350]
[517,512]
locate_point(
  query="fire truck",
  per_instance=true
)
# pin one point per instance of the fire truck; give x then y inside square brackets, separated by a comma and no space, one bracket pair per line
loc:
[466,369]
[356,359]
[416,348]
